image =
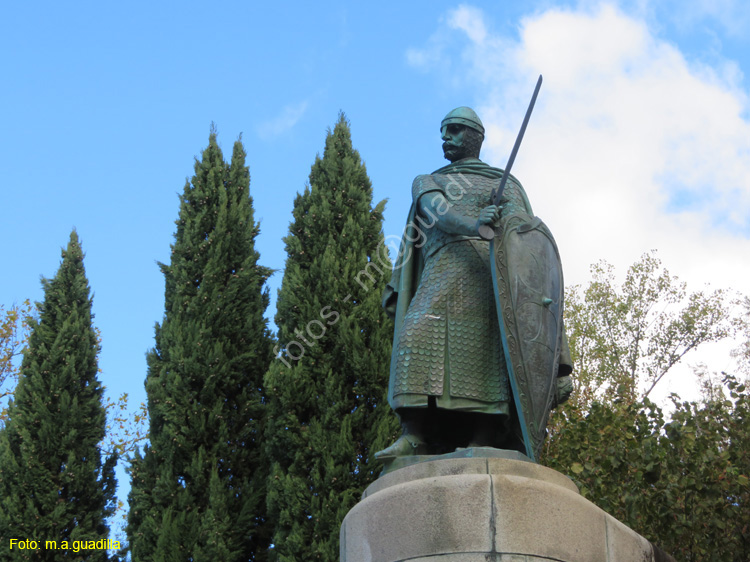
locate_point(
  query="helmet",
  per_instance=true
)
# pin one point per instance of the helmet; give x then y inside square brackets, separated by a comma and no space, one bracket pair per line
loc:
[463,116]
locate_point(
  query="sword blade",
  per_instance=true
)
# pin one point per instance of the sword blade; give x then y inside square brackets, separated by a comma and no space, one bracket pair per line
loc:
[486,231]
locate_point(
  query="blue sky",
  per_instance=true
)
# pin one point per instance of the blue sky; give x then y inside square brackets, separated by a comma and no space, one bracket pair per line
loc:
[640,138]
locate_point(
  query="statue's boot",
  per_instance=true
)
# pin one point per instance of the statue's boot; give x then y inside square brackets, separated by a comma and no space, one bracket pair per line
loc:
[410,443]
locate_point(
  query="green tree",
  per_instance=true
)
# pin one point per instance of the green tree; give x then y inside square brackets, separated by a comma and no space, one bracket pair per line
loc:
[327,389]
[742,324]
[125,427]
[198,488]
[700,504]
[53,483]
[681,480]
[626,338]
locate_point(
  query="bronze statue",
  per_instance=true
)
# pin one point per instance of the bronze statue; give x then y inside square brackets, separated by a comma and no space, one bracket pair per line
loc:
[460,375]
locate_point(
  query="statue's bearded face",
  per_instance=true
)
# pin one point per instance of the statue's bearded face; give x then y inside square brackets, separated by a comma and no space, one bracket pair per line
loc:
[460,141]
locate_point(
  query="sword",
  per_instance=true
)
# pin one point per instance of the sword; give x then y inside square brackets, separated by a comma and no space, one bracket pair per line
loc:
[486,231]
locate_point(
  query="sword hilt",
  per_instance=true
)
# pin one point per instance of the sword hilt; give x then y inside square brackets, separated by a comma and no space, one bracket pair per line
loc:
[486,232]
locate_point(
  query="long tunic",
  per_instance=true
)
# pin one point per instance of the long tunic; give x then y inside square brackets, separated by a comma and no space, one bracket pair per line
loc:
[449,344]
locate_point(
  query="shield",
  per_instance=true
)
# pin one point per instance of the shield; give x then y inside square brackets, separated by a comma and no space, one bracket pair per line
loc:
[528,285]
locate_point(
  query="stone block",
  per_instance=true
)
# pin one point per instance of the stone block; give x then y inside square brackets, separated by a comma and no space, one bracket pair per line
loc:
[621,538]
[428,516]
[465,507]
[539,518]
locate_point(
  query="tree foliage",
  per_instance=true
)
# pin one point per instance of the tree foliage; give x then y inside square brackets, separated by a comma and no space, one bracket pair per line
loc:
[742,324]
[682,481]
[625,339]
[678,478]
[14,335]
[198,488]
[53,483]
[327,389]
[126,427]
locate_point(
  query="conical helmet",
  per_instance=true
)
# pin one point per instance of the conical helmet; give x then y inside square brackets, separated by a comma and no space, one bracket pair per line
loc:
[463,116]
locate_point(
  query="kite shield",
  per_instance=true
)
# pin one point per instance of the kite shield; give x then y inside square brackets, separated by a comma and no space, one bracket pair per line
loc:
[528,286]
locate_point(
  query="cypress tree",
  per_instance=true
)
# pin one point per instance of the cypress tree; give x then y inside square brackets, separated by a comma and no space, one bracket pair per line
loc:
[198,488]
[53,483]
[327,388]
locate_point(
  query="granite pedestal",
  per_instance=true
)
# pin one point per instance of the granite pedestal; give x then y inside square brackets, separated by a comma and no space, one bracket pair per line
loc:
[484,505]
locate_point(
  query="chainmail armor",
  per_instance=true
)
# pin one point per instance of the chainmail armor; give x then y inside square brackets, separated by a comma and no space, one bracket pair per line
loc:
[449,346]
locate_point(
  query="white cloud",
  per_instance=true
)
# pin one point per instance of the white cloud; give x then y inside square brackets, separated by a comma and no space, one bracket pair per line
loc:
[636,130]
[280,124]
[469,20]
[631,146]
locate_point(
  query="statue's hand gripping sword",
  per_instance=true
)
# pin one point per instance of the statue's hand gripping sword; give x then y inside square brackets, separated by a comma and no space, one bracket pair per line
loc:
[486,231]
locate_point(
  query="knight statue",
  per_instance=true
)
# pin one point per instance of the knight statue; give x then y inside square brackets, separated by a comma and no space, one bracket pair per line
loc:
[479,351]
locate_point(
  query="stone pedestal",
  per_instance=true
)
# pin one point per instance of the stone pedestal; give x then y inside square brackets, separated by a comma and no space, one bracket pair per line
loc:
[484,505]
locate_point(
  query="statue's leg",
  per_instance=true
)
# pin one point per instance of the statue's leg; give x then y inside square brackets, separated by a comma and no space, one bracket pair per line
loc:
[485,431]
[497,431]
[412,440]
